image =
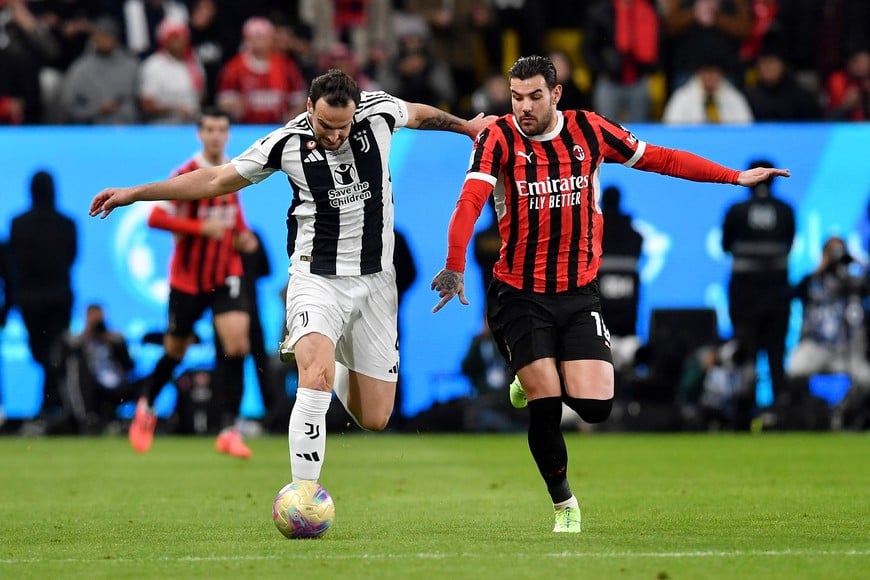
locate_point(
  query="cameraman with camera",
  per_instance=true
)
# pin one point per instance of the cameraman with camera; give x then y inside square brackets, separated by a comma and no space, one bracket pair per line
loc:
[96,365]
[833,332]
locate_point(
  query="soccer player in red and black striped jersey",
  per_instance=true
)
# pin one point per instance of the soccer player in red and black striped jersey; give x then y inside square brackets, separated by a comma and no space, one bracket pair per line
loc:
[543,305]
[205,272]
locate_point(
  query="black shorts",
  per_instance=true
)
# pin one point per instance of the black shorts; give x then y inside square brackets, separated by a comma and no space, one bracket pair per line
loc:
[186,309]
[529,326]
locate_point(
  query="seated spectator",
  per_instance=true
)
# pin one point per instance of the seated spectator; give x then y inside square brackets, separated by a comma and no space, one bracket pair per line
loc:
[25,48]
[833,335]
[848,89]
[295,42]
[493,97]
[776,94]
[100,87]
[697,31]
[97,365]
[621,47]
[141,20]
[573,97]
[339,56]
[172,79]
[414,73]
[708,97]
[261,84]
[488,408]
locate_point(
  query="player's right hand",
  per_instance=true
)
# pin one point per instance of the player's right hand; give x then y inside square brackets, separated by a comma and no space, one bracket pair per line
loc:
[108,199]
[448,284]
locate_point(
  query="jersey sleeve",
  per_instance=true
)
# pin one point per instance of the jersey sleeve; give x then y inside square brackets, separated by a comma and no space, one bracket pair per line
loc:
[618,144]
[381,103]
[263,157]
[487,156]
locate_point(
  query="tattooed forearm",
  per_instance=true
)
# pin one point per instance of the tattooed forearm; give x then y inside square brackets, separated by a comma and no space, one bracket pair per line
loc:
[442,122]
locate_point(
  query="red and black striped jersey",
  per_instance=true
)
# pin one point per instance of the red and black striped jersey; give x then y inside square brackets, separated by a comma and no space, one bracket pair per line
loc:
[548,214]
[200,264]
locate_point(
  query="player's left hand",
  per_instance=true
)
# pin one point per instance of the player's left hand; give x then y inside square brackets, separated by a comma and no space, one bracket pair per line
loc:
[246,242]
[479,123]
[758,175]
[110,198]
[448,283]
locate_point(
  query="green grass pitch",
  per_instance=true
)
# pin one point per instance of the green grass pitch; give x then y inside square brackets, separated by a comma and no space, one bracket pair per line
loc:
[442,506]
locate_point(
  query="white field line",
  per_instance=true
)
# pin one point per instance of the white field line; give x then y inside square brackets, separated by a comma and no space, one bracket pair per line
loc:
[446,556]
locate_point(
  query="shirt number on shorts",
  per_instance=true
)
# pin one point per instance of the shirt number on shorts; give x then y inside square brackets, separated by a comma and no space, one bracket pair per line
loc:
[600,329]
[234,283]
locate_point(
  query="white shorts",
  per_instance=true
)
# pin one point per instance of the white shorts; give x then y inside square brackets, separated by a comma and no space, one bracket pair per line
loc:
[358,313]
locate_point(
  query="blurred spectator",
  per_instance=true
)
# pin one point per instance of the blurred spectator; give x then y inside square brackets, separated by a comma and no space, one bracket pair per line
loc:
[714,377]
[100,86]
[573,97]
[142,19]
[758,233]
[25,48]
[255,265]
[70,23]
[619,277]
[493,97]
[488,408]
[621,46]
[527,18]
[96,366]
[776,94]
[763,15]
[455,28]
[848,89]
[707,97]
[339,56]
[414,73]
[261,84]
[209,44]
[698,31]
[406,275]
[820,33]
[172,80]
[295,42]
[366,26]
[44,246]
[5,305]
[833,329]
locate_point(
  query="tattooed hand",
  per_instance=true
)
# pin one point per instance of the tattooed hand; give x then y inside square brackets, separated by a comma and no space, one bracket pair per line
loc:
[448,284]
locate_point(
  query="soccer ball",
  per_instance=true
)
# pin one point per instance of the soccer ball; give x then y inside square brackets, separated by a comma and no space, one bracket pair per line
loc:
[303,509]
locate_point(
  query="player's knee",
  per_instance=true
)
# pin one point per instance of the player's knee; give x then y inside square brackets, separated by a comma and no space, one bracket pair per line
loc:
[374,423]
[591,410]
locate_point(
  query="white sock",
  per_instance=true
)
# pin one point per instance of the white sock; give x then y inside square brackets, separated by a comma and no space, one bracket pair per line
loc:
[570,502]
[341,388]
[306,434]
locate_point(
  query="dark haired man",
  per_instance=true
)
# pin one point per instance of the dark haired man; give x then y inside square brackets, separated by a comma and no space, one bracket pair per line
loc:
[205,272]
[543,305]
[341,298]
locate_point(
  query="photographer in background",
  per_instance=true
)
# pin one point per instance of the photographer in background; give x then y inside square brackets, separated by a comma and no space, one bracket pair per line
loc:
[833,332]
[96,365]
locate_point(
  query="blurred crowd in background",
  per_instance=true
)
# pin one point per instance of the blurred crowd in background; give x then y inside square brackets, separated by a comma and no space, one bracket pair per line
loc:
[676,61]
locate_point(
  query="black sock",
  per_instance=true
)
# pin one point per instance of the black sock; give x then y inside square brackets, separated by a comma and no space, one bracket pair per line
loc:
[161,375]
[229,383]
[548,446]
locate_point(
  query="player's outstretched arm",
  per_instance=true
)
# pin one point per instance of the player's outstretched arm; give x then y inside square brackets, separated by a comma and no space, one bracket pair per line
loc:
[758,175]
[200,184]
[422,116]
[449,283]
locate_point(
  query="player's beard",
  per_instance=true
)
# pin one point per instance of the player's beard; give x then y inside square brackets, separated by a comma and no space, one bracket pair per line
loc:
[539,126]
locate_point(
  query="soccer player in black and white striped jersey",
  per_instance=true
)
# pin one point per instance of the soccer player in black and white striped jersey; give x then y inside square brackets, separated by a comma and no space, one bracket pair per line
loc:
[341,298]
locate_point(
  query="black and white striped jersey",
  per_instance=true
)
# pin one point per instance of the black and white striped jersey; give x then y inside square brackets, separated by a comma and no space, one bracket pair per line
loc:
[340,221]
